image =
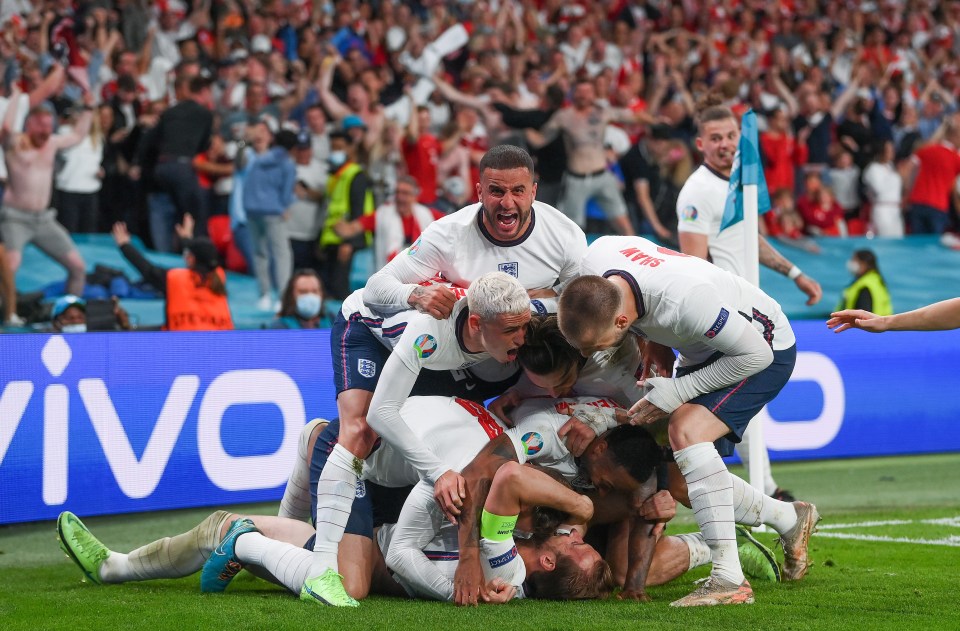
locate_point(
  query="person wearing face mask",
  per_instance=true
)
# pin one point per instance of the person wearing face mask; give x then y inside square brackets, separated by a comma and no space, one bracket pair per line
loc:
[69,315]
[868,291]
[302,304]
[196,295]
[349,197]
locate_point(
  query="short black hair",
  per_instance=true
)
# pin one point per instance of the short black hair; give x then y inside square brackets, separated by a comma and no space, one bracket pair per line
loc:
[506,157]
[198,84]
[634,449]
[285,139]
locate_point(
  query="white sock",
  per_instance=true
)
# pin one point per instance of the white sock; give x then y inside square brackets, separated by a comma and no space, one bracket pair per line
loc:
[743,450]
[751,507]
[698,548]
[335,492]
[170,557]
[287,563]
[296,496]
[709,489]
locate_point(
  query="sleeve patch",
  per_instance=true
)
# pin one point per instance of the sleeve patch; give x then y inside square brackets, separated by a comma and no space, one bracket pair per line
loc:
[718,324]
[689,213]
[532,443]
[425,345]
[504,558]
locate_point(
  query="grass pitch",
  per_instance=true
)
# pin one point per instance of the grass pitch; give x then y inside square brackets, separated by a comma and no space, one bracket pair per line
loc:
[887,557]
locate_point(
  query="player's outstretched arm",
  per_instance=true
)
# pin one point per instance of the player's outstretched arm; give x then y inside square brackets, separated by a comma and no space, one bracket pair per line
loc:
[940,316]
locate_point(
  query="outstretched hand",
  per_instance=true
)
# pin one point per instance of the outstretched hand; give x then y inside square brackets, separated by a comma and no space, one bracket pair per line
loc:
[856,319]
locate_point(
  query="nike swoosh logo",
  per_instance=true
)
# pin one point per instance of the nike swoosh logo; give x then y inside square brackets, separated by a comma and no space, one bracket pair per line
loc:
[316,595]
[470,386]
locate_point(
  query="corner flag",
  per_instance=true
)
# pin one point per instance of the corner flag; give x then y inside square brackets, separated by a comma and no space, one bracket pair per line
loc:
[747,171]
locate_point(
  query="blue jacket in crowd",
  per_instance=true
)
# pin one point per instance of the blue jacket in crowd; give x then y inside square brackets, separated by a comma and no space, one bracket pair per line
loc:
[268,186]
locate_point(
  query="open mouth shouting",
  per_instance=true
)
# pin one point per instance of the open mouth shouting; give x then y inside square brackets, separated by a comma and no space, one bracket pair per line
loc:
[508,220]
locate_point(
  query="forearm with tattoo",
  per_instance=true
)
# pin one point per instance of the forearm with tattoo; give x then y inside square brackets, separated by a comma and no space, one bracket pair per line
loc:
[769,257]
[478,477]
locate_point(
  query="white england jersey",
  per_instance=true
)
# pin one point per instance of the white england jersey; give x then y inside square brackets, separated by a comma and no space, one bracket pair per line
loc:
[455,430]
[422,549]
[419,339]
[534,436]
[685,302]
[460,248]
[700,210]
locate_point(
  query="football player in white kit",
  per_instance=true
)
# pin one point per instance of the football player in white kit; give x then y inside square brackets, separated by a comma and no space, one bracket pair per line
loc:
[506,231]
[455,429]
[700,211]
[737,351]
[489,323]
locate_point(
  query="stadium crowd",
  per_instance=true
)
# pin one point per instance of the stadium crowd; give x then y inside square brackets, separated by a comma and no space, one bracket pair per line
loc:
[297,133]
[289,136]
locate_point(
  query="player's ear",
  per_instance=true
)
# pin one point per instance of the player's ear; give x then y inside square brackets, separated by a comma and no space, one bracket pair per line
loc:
[473,321]
[621,322]
[699,143]
[548,561]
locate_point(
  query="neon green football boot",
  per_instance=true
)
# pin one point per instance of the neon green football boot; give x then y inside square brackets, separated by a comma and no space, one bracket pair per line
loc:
[327,589]
[757,560]
[81,546]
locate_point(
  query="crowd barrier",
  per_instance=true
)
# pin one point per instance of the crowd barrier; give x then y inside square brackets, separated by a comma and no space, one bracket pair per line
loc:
[103,423]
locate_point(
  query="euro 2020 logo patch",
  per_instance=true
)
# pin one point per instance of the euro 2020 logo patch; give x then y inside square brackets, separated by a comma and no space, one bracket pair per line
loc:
[532,443]
[413,248]
[510,268]
[689,214]
[367,368]
[426,345]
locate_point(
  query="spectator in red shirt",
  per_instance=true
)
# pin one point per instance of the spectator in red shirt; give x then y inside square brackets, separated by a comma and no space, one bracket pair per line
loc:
[934,169]
[821,213]
[421,152]
[395,225]
[782,151]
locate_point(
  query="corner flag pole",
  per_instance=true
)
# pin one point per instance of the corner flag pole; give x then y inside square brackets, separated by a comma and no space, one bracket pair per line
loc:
[752,171]
[751,251]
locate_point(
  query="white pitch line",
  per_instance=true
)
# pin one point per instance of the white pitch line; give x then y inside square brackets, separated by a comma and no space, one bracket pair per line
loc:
[866,524]
[952,541]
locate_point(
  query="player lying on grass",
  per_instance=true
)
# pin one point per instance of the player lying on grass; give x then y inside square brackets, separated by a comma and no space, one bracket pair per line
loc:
[456,430]
[548,565]
[552,364]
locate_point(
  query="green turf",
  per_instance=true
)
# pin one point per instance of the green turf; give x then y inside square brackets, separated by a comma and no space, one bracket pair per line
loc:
[854,584]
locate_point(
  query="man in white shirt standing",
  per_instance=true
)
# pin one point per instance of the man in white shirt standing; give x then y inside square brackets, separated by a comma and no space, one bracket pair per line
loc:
[700,212]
